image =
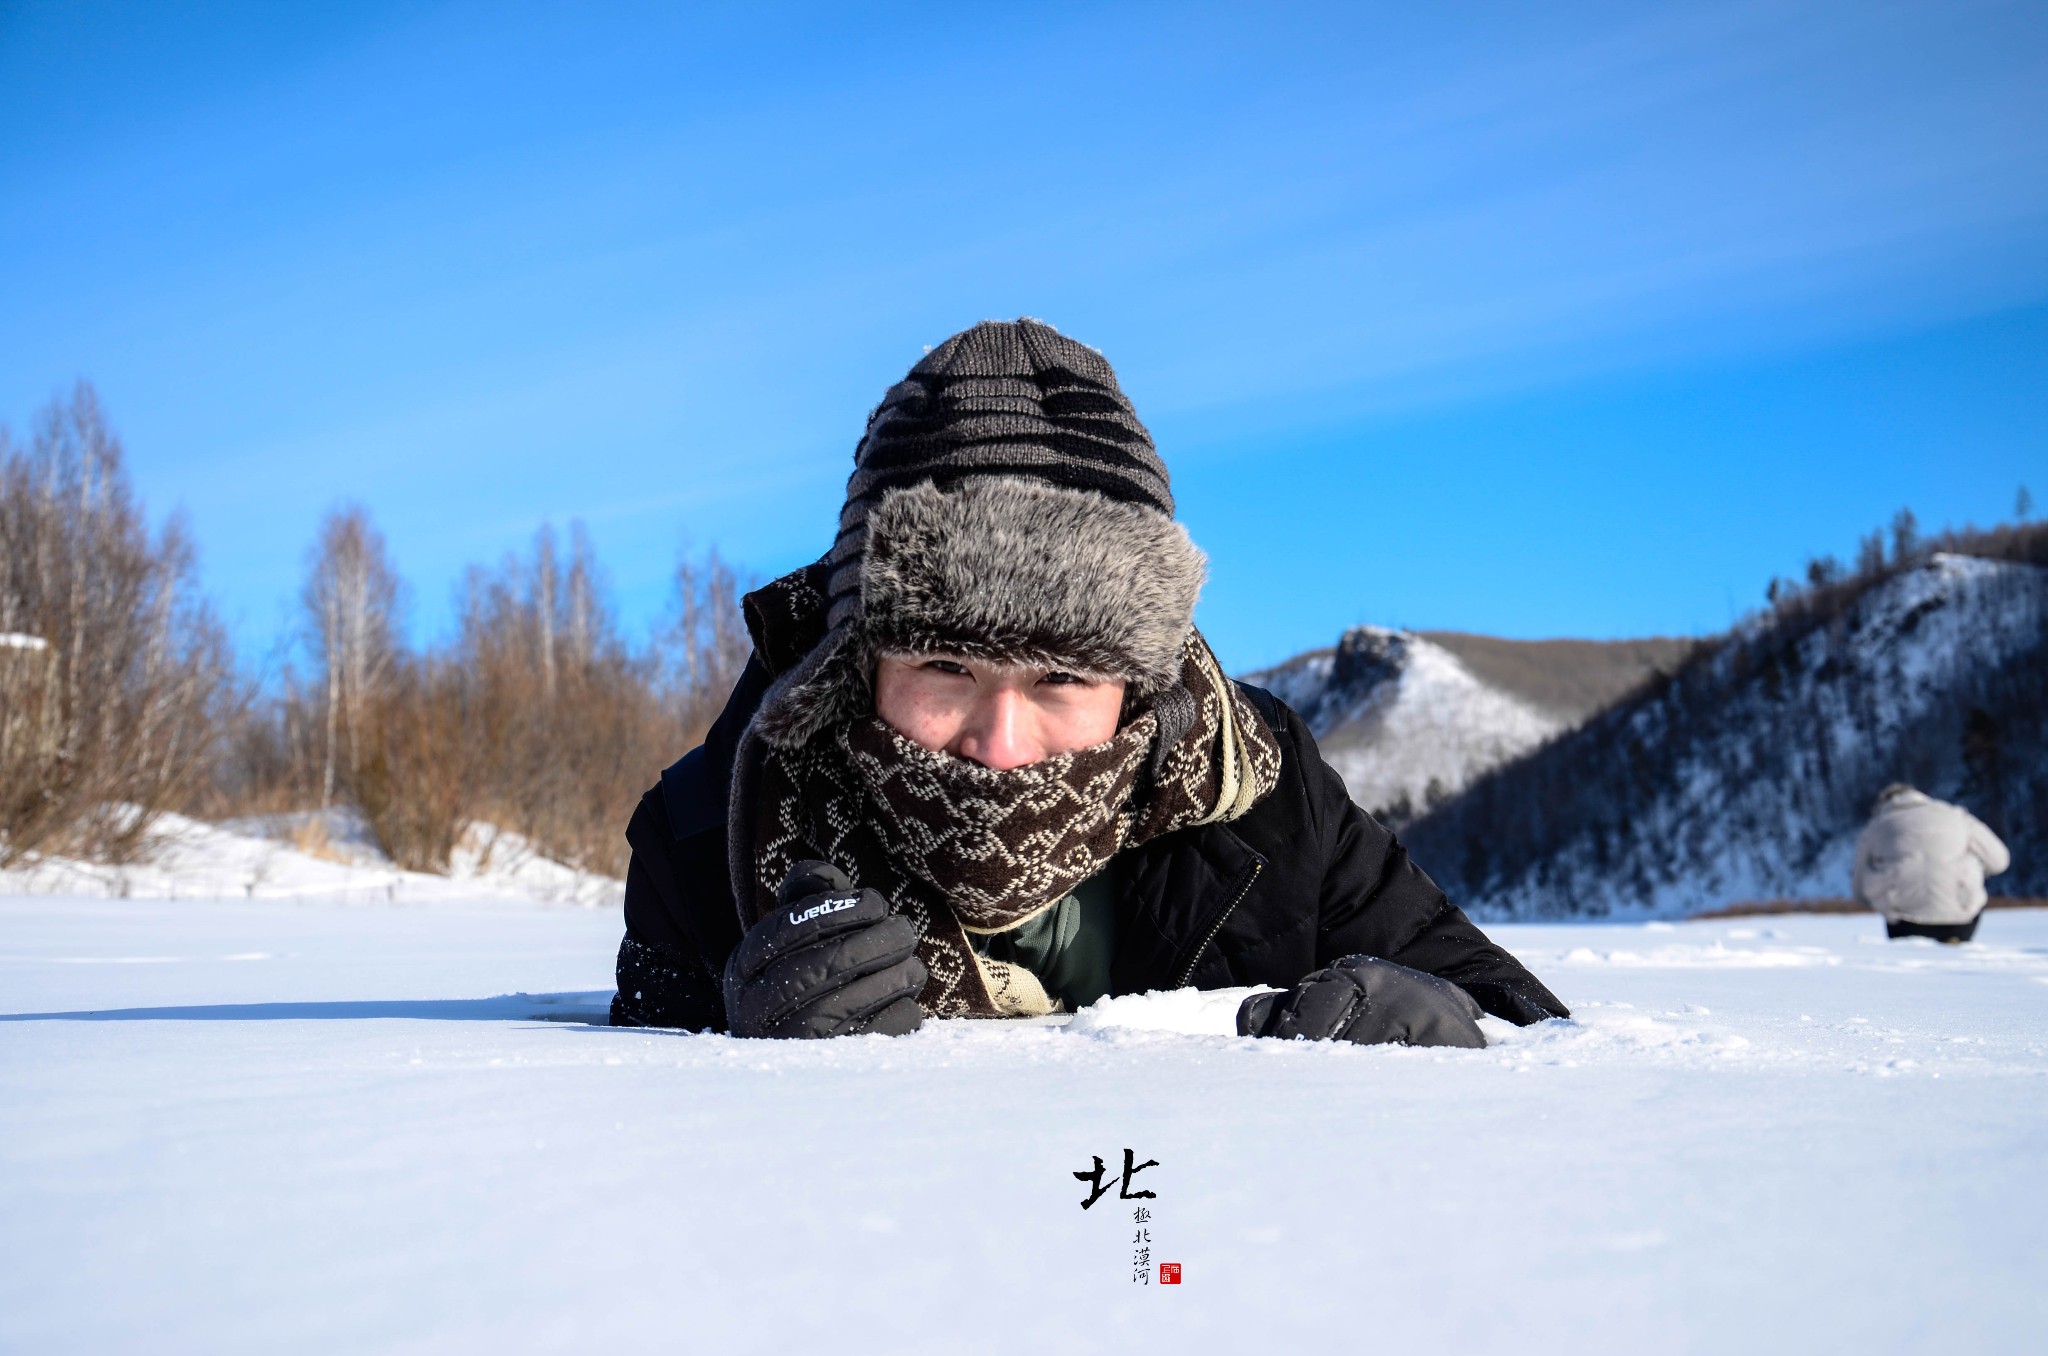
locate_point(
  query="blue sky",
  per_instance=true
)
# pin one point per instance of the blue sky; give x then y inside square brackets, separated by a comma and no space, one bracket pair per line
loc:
[1571,319]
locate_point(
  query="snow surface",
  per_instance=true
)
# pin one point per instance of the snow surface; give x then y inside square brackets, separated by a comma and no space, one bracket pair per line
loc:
[253,1125]
[1421,735]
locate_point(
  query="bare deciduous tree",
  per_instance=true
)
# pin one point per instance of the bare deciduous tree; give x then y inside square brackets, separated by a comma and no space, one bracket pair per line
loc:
[565,721]
[118,676]
[351,601]
[704,644]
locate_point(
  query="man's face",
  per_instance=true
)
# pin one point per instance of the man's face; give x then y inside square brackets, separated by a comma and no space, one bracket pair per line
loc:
[998,715]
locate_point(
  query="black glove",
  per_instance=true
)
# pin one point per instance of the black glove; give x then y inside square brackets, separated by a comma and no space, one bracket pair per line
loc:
[1367,1001]
[830,961]
[1523,1003]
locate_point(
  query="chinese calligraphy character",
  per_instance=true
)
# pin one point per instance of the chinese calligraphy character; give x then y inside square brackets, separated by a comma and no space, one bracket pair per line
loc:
[1124,1192]
[1094,1179]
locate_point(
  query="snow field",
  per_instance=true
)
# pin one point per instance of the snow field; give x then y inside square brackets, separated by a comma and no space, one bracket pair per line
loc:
[250,1126]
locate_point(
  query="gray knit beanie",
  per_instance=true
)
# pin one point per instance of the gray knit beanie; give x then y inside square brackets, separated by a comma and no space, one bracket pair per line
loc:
[1005,503]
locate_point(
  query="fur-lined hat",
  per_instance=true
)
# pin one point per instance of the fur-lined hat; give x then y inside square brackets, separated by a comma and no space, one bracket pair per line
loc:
[1007,504]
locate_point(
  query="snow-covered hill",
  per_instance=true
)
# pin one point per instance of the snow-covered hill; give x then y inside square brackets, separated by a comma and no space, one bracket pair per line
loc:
[1749,775]
[315,855]
[1402,719]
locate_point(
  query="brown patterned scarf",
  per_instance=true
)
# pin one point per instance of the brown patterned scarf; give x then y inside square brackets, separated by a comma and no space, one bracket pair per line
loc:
[958,847]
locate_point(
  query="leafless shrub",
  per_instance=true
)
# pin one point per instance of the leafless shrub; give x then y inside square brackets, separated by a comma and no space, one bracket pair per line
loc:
[119,675]
[414,776]
[564,718]
[269,756]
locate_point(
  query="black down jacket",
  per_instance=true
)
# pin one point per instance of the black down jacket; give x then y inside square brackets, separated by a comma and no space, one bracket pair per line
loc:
[1303,879]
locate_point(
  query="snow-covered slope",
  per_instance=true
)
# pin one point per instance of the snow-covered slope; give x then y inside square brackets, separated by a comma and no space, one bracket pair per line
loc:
[325,855]
[1402,719]
[1749,775]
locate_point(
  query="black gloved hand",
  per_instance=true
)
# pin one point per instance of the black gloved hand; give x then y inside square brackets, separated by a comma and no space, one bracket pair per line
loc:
[830,961]
[1523,1002]
[1367,1001]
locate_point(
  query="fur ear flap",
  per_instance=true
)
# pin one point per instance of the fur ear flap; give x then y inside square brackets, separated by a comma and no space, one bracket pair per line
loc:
[834,683]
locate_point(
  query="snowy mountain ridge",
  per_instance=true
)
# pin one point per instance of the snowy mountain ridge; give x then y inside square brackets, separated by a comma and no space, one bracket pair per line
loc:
[1403,720]
[1749,774]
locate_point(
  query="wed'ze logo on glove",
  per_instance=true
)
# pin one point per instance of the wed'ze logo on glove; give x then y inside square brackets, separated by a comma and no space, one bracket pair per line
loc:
[829,904]
[830,959]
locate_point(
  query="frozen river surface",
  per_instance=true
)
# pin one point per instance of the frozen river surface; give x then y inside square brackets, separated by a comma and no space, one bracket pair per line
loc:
[258,1127]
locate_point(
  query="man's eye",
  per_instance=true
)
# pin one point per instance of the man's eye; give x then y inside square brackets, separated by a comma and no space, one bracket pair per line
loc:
[1060,676]
[945,666]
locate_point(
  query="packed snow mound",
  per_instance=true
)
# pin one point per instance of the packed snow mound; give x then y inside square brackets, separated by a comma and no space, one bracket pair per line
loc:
[313,855]
[1751,773]
[1185,1012]
[1403,721]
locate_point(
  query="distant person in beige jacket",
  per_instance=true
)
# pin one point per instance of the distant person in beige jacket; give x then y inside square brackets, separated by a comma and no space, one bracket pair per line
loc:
[1921,863]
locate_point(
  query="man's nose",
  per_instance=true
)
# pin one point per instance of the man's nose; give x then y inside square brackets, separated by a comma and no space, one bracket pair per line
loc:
[1000,736]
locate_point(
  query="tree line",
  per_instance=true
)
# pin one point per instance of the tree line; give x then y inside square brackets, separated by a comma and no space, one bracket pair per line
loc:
[121,698]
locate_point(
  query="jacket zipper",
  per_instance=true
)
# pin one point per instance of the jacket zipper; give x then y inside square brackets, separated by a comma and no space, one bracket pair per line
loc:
[1258,865]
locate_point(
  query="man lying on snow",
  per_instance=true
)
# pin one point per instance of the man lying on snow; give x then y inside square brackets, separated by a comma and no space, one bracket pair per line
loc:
[981,764]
